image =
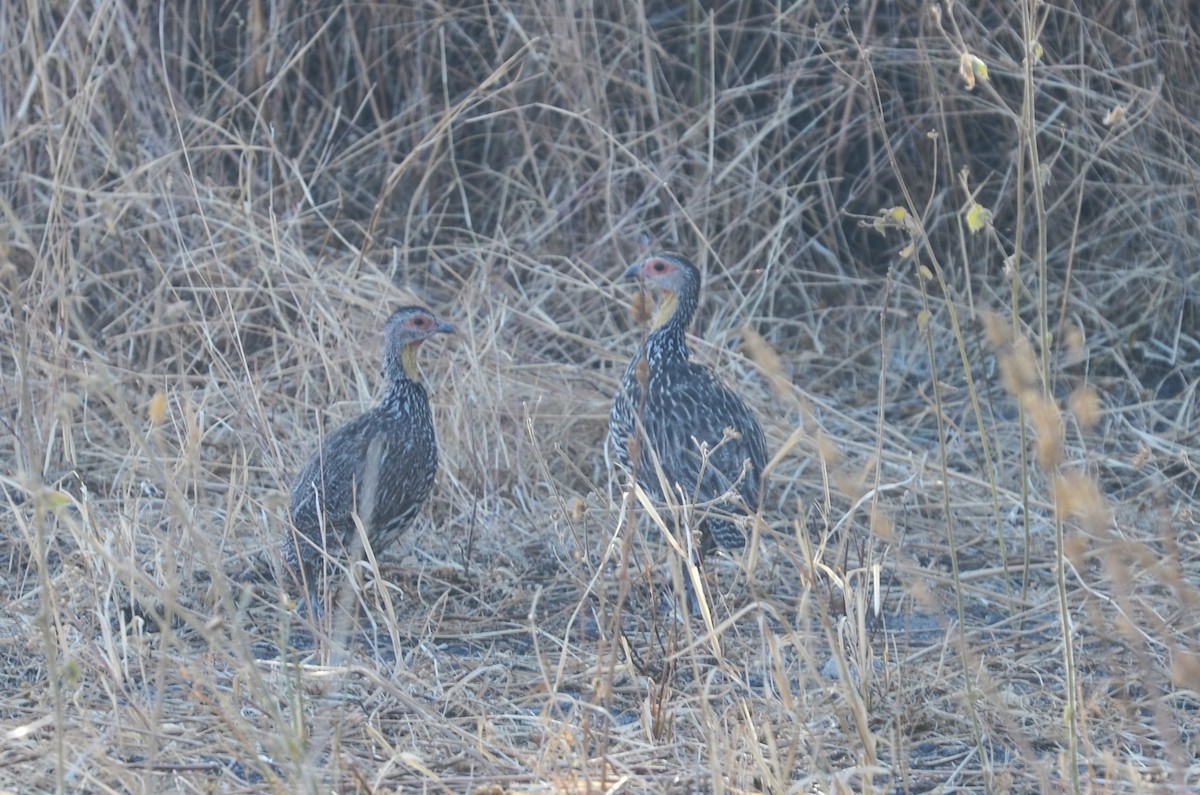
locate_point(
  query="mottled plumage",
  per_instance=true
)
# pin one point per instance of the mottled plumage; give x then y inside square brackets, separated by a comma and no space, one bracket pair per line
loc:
[379,465]
[683,407]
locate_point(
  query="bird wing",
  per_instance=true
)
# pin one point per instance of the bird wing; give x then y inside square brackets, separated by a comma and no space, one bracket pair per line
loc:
[335,472]
[695,412]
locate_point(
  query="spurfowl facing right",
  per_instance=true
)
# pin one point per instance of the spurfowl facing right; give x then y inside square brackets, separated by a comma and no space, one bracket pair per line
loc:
[379,465]
[669,408]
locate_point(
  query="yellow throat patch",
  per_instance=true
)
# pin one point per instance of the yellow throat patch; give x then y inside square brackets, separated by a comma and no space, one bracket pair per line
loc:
[408,358]
[666,309]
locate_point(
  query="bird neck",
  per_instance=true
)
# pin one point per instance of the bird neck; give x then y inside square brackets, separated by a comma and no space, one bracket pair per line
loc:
[668,308]
[408,361]
[405,394]
[400,367]
[668,330]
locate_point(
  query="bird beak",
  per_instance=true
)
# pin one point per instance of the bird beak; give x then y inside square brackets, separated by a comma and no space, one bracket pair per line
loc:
[634,270]
[444,328]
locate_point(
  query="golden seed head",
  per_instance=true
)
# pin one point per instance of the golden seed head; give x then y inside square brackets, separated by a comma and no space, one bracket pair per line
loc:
[1018,369]
[882,526]
[1074,341]
[1046,420]
[827,449]
[767,359]
[1076,494]
[157,410]
[641,308]
[643,371]
[997,329]
[1084,403]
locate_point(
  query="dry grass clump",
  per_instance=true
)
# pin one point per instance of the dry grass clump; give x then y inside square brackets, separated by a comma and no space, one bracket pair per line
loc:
[949,255]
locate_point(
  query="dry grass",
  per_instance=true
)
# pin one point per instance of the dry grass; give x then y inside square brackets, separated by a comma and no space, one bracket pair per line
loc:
[982,565]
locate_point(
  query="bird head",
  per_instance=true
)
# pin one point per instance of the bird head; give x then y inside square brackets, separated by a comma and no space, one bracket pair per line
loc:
[672,275]
[406,329]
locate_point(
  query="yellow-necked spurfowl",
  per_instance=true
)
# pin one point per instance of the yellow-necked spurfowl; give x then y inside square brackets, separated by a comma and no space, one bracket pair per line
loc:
[709,445]
[379,465]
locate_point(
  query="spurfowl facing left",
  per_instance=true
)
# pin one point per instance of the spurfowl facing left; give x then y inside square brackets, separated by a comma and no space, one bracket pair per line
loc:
[379,466]
[676,411]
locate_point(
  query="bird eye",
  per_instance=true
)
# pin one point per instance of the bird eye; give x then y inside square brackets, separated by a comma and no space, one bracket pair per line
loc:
[658,266]
[420,322]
